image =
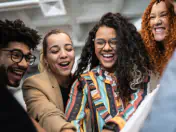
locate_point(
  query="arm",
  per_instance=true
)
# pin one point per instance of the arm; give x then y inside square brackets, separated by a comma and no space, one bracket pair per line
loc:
[136,99]
[37,126]
[50,117]
[75,110]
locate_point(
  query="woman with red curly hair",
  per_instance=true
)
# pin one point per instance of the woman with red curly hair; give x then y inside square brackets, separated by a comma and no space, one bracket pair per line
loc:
[158,33]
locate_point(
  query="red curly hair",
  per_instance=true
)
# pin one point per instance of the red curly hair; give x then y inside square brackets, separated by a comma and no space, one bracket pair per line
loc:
[158,58]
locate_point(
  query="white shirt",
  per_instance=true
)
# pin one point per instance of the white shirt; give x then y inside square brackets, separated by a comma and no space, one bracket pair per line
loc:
[18,94]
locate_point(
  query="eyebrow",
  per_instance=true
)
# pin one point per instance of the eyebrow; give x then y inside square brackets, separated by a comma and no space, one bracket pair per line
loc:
[160,12]
[164,12]
[54,46]
[68,44]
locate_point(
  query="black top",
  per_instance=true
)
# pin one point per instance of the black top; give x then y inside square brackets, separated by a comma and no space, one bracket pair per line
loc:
[65,94]
[13,117]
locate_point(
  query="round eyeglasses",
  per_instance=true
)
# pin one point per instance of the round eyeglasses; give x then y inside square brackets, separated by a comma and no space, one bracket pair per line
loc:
[101,43]
[17,56]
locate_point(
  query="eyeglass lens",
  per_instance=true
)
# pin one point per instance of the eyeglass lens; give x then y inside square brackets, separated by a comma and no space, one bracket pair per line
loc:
[101,42]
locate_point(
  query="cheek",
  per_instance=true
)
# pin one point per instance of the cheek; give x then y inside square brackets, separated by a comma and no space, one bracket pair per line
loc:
[166,23]
[97,51]
[71,55]
[51,59]
[8,62]
[151,23]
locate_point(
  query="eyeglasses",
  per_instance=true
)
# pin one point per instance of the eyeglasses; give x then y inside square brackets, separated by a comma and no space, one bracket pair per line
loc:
[101,43]
[17,56]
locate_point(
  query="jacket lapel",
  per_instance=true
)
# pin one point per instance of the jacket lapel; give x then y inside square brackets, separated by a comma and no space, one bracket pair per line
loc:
[56,89]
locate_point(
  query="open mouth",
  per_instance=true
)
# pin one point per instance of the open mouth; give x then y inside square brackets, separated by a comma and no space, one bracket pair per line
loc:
[159,29]
[64,64]
[18,72]
[15,75]
[108,55]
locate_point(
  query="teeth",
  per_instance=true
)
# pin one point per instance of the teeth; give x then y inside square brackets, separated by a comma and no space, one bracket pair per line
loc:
[158,29]
[64,63]
[107,55]
[18,72]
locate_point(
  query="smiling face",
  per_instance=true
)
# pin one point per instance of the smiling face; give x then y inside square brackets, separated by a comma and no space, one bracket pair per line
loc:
[60,54]
[159,22]
[15,71]
[106,55]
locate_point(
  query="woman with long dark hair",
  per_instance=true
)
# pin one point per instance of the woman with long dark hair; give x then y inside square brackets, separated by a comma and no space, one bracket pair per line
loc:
[116,82]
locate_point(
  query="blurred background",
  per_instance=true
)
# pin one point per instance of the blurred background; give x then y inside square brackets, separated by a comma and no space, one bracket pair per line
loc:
[76,17]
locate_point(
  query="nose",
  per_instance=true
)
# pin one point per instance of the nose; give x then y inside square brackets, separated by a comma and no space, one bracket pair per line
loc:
[107,47]
[158,21]
[63,54]
[23,63]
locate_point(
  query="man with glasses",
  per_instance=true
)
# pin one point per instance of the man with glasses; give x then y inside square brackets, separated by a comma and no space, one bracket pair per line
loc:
[16,44]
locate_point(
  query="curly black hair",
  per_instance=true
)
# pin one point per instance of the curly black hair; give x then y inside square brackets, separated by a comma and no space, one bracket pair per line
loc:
[132,64]
[11,31]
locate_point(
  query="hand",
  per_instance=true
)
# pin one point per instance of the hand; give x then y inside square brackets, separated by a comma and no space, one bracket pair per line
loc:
[37,126]
[67,130]
[106,130]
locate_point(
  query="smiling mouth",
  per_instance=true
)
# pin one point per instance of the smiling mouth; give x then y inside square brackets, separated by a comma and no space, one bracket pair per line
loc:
[18,72]
[108,55]
[159,30]
[64,64]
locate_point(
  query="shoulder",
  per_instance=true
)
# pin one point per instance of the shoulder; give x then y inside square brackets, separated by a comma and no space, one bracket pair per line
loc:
[37,80]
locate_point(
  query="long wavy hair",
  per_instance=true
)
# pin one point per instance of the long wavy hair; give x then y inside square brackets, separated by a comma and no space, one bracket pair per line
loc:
[158,56]
[132,64]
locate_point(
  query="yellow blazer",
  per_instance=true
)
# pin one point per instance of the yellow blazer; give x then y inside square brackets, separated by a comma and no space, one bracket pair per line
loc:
[44,101]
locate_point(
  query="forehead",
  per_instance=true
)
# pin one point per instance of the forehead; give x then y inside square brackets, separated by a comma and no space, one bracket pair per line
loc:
[105,31]
[19,45]
[59,39]
[159,7]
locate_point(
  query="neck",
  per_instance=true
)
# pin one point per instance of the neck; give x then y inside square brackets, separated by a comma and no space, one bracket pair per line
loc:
[63,81]
[110,70]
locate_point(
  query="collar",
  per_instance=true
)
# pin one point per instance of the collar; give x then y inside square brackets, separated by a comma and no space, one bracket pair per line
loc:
[13,89]
[104,75]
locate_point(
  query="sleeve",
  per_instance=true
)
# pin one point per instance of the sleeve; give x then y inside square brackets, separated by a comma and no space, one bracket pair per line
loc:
[51,118]
[76,106]
[136,99]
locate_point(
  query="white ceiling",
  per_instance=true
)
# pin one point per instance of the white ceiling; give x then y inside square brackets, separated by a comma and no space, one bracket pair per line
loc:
[80,17]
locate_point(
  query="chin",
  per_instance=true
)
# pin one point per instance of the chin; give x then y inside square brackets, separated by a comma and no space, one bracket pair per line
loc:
[14,84]
[66,73]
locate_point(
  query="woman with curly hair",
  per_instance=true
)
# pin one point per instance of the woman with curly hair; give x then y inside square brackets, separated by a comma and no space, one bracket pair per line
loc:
[158,33]
[116,82]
